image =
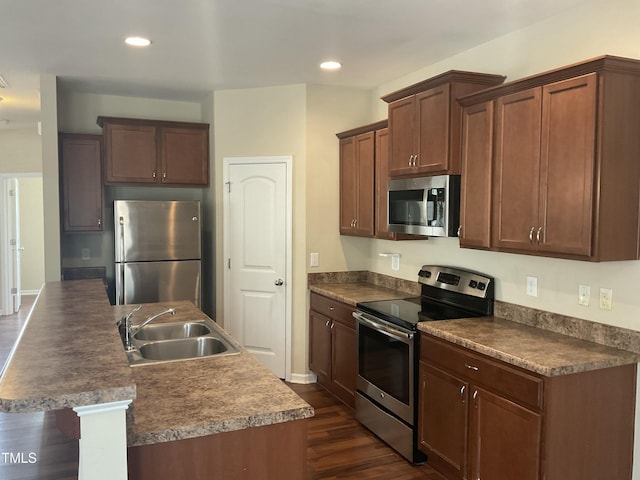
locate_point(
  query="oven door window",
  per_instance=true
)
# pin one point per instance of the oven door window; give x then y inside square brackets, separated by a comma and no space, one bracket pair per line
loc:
[384,362]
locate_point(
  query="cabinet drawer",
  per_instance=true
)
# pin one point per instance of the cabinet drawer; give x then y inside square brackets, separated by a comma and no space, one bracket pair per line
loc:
[492,374]
[334,309]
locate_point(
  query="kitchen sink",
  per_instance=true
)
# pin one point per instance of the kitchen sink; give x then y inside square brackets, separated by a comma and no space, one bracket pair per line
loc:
[170,331]
[167,342]
[180,349]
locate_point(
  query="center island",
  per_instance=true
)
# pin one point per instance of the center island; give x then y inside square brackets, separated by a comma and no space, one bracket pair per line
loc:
[211,417]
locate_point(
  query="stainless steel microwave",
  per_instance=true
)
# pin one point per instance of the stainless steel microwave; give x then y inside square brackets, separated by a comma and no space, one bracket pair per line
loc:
[425,205]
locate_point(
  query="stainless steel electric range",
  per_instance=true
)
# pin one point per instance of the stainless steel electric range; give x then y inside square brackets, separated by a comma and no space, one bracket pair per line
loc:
[389,349]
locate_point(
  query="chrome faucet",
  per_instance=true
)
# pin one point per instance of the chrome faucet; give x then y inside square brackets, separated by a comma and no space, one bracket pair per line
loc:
[124,327]
[172,311]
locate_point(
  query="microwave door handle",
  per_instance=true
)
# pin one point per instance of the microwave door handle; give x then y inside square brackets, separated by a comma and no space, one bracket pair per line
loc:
[384,328]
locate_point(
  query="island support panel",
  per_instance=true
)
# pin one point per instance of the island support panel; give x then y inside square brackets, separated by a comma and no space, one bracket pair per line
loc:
[260,453]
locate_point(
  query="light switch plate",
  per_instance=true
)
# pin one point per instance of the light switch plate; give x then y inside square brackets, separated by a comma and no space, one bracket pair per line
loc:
[314,259]
[86,254]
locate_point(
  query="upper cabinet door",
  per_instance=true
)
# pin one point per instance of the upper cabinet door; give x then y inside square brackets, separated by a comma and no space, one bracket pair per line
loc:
[130,153]
[432,128]
[365,155]
[184,156]
[567,165]
[477,167]
[81,164]
[516,172]
[348,185]
[402,125]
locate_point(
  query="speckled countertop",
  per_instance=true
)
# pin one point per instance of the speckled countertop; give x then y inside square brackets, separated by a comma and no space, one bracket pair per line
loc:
[535,349]
[68,356]
[361,286]
[541,351]
[192,398]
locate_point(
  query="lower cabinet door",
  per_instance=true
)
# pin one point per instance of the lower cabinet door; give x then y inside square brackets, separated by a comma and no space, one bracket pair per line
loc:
[320,346]
[343,362]
[442,420]
[504,439]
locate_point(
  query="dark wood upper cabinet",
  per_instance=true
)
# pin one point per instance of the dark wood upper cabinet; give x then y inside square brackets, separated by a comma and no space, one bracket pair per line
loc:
[81,182]
[155,152]
[565,176]
[477,158]
[358,182]
[425,123]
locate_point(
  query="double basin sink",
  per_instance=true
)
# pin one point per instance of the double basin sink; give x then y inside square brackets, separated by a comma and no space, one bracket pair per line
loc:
[165,342]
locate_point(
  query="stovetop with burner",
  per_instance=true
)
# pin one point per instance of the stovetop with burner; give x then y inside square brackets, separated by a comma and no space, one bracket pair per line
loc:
[447,293]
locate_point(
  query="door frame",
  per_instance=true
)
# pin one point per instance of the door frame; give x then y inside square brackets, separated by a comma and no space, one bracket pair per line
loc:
[287,160]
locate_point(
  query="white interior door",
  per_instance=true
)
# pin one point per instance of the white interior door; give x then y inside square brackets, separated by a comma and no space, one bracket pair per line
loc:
[14,242]
[258,252]
[10,249]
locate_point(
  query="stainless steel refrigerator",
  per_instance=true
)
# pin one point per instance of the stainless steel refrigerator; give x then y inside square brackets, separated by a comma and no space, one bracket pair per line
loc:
[157,251]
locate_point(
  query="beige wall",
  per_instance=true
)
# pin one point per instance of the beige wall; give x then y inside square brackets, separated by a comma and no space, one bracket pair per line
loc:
[330,110]
[266,122]
[31,233]
[21,151]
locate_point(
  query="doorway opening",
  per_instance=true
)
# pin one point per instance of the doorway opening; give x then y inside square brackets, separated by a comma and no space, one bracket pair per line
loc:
[21,238]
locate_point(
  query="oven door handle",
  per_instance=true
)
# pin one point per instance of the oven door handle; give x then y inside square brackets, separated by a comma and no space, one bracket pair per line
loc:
[382,327]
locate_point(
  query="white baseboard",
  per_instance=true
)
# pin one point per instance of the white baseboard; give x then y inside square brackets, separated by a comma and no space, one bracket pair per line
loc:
[303,378]
[29,292]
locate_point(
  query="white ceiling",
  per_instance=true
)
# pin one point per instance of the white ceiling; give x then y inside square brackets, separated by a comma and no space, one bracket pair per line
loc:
[202,45]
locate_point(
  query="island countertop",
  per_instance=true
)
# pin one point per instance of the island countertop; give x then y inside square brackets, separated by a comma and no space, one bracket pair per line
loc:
[70,354]
[67,354]
[193,398]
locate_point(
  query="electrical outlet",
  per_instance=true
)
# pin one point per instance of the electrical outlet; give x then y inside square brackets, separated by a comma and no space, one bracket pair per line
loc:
[532,286]
[606,298]
[86,254]
[314,259]
[584,295]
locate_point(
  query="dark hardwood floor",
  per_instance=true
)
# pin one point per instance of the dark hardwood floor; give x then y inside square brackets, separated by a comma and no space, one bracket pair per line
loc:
[339,447]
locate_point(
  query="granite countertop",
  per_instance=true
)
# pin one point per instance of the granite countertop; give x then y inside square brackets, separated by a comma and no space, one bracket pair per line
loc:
[535,349]
[67,355]
[541,351]
[354,292]
[192,398]
[70,354]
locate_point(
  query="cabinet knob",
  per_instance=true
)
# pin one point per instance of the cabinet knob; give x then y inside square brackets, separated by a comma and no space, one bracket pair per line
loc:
[279,282]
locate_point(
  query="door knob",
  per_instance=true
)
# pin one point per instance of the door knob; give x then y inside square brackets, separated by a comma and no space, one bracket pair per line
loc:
[279,282]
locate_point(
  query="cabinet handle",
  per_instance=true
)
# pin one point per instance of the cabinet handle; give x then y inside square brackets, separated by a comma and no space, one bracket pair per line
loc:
[475,397]
[538,235]
[531,234]
[99,222]
[415,159]
[459,230]
[332,325]
[327,323]
[332,308]
[153,175]
[471,367]
[462,389]
[164,176]
[410,158]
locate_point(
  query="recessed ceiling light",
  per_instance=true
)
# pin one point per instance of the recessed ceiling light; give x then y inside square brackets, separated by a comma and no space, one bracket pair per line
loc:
[330,65]
[137,41]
